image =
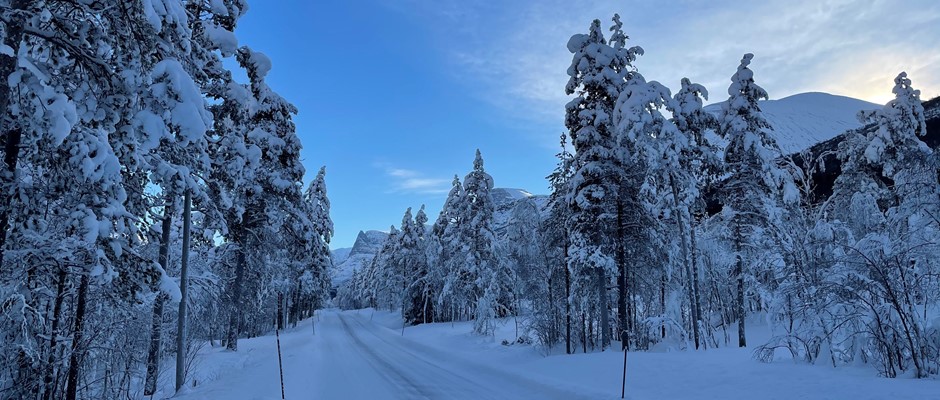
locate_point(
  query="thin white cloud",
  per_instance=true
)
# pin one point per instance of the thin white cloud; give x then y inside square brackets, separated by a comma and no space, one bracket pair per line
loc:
[411,181]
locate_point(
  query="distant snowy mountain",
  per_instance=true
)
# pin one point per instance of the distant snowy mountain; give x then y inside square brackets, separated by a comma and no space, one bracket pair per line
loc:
[804,119]
[508,195]
[340,255]
[367,244]
[505,199]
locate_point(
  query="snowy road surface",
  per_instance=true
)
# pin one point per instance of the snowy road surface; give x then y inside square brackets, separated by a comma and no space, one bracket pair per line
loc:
[362,355]
[350,357]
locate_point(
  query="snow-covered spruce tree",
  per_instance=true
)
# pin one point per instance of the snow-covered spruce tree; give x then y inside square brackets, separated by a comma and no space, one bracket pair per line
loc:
[155,54]
[433,254]
[173,122]
[556,239]
[12,135]
[256,170]
[385,278]
[305,285]
[653,149]
[535,286]
[664,169]
[751,194]
[597,75]
[446,253]
[315,281]
[480,273]
[408,253]
[364,289]
[699,165]
[347,296]
[888,197]
[421,291]
[184,25]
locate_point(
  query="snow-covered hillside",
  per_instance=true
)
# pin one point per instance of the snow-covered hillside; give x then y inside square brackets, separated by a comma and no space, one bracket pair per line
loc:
[505,199]
[340,255]
[508,195]
[805,119]
[346,260]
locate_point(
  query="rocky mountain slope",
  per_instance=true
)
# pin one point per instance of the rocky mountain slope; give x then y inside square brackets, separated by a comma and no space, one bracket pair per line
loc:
[345,260]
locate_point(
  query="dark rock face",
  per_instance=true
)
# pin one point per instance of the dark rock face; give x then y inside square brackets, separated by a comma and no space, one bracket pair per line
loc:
[368,242]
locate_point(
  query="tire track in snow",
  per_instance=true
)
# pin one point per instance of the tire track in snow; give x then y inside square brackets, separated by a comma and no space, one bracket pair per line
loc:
[521,386]
[441,375]
[384,367]
[371,330]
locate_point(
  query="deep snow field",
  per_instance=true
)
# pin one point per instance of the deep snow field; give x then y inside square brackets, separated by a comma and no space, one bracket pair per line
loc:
[364,354]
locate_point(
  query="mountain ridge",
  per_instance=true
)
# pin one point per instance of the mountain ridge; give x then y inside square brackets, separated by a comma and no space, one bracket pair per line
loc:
[802,120]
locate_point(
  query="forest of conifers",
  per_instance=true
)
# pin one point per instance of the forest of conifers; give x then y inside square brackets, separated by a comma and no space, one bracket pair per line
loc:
[671,227]
[153,202]
[150,202]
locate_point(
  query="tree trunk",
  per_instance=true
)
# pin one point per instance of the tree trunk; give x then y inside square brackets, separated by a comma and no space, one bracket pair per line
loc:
[567,302]
[631,303]
[404,289]
[280,311]
[235,306]
[590,332]
[739,273]
[12,135]
[696,297]
[910,330]
[71,386]
[184,284]
[153,353]
[621,277]
[49,385]
[602,307]
[553,335]
[156,327]
[584,336]
[662,302]
[293,311]
[686,262]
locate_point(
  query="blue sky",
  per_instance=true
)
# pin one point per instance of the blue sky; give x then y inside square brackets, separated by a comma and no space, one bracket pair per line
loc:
[395,95]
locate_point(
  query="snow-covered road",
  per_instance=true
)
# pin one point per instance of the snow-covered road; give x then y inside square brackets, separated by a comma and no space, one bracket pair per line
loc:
[397,368]
[349,357]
